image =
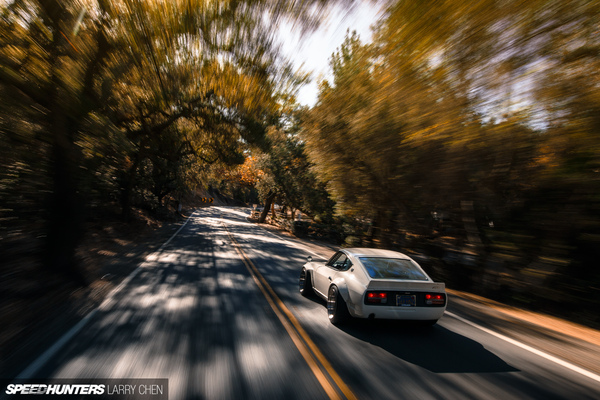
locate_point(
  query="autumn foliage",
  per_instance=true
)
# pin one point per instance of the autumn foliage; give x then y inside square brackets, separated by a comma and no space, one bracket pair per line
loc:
[470,129]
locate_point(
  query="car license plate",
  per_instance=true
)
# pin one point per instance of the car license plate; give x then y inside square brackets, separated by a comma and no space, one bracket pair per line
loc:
[406,300]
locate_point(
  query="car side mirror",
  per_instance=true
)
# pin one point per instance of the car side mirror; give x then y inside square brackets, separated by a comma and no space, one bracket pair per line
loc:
[309,258]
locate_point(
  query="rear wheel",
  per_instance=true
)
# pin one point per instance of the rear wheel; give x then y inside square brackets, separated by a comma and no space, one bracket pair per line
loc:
[336,307]
[304,283]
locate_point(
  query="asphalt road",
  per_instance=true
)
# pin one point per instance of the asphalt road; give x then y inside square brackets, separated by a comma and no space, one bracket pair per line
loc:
[217,312]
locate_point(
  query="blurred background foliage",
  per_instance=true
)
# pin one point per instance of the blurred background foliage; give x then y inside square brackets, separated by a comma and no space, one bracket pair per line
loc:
[471,129]
[466,133]
[129,104]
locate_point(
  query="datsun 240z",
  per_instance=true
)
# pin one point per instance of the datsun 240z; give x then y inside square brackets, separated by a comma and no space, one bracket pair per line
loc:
[373,283]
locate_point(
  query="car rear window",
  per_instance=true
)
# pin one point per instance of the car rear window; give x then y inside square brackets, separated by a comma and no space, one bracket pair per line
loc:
[392,268]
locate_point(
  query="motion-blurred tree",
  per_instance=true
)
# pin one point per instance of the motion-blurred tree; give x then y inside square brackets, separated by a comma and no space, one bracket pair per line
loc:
[485,111]
[113,100]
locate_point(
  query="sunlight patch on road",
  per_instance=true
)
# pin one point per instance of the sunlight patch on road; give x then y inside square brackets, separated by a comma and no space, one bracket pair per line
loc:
[218,379]
[181,303]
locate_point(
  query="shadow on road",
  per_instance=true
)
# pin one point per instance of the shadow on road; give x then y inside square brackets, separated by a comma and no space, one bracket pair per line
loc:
[434,348]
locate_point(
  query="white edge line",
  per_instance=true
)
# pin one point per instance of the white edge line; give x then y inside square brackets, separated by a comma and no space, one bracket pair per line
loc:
[547,356]
[39,362]
[35,366]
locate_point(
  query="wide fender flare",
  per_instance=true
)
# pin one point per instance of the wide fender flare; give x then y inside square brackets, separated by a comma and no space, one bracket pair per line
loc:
[309,267]
[342,288]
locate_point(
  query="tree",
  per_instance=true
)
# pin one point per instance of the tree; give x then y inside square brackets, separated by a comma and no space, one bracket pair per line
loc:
[482,111]
[116,98]
[288,176]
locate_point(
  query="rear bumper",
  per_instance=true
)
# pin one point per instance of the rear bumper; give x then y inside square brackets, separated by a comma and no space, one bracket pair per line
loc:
[404,313]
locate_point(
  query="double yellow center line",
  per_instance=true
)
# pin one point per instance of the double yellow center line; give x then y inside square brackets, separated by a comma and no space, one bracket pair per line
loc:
[331,382]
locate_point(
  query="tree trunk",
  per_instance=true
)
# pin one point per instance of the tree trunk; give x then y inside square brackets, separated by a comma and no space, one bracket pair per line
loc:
[470,226]
[127,189]
[265,211]
[382,228]
[126,192]
[65,207]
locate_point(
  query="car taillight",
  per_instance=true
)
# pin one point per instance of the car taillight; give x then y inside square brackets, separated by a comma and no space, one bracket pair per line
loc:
[435,299]
[377,297]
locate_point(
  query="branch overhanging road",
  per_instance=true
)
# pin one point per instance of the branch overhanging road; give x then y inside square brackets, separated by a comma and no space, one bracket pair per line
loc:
[217,311]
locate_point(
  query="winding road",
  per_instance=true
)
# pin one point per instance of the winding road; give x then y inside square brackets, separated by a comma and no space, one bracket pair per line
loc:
[217,312]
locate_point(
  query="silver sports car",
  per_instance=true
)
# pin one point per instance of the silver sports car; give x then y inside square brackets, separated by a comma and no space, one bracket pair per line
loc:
[373,283]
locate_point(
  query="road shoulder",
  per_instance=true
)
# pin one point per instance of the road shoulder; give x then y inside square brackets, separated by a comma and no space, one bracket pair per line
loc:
[44,317]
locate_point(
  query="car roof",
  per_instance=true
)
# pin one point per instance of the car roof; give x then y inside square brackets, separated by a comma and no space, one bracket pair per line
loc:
[367,252]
